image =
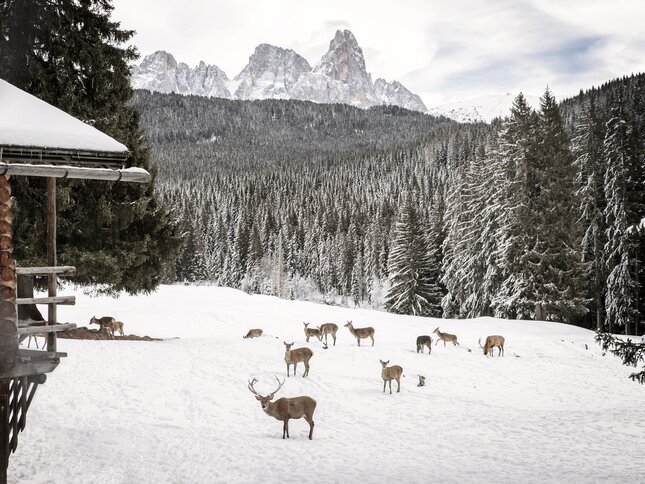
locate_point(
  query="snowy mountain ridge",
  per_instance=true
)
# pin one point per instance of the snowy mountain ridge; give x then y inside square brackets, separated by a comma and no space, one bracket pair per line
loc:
[482,108]
[275,73]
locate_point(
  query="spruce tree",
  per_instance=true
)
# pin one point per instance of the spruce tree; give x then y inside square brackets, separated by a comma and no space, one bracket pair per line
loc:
[69,53]
[588,149]
[555,257]
[622,283]
[409,267]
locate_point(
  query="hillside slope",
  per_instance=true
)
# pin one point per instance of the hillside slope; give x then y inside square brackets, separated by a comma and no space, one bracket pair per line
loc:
[178,410]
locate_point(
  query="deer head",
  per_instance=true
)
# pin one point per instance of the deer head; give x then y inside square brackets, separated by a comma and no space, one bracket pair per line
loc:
[384,363]
[349,324]
[264,401]
[287,346]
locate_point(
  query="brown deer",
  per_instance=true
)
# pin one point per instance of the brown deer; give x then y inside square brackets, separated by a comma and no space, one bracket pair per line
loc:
[361,333]
[309,332]
[108,324]
[35,338]
[492,342]
[389,373]
[326,329]
[253,333]
[293,357]
[451,338]
[422,341]
[286,408]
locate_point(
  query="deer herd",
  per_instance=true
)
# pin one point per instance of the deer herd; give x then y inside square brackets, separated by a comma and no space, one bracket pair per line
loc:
[285,409]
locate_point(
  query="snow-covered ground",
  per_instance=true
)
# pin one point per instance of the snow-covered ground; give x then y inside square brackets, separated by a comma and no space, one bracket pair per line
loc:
[178,410]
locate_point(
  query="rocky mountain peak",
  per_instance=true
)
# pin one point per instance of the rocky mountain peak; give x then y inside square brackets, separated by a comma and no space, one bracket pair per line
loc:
[277,73]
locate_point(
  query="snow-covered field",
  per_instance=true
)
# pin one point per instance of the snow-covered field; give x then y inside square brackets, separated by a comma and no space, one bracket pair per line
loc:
[179,411]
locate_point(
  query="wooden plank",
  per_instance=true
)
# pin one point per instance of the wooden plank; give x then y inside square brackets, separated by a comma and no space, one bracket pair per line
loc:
[33,363]
[54,328]
[134,175]
[64,300]
[43,271]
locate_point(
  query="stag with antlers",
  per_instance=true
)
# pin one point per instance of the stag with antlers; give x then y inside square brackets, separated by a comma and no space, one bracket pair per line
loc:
[285,409]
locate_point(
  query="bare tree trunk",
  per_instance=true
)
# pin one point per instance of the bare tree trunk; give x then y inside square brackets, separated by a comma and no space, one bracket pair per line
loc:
[26,289]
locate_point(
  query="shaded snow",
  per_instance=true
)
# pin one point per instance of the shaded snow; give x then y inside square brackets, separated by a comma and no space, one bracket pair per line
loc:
[27,121]
[179,410]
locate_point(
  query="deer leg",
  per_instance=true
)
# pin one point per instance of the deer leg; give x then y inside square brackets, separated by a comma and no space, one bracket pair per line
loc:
[384,383]
[372,340]
[288,369]
[430,349]
[398,382]
[310,420]
[285,430]
[307,338]
[306,373]
[444,343]
[390,387]
[334,336]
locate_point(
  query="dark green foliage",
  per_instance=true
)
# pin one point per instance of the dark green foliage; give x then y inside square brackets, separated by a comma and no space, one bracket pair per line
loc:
[630,352]
[413,271]
[69,53]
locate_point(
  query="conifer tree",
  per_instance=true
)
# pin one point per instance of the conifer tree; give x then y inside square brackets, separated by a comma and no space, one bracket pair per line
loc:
[588,149]
[409,267]
[69,53]
[622,286]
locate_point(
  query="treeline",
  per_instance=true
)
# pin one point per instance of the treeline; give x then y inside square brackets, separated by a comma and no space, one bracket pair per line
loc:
[535,216]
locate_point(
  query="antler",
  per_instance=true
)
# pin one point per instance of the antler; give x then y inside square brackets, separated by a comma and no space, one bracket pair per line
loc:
[250,386]
[280,383]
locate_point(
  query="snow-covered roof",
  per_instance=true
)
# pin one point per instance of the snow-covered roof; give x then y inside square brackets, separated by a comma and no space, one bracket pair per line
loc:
[26,121]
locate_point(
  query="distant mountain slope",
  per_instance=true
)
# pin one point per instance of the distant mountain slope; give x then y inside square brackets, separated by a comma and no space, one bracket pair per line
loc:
[275,73]
[201,131]
[482,108]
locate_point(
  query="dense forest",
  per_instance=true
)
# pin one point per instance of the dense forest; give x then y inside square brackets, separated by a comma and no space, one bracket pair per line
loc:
[538,215]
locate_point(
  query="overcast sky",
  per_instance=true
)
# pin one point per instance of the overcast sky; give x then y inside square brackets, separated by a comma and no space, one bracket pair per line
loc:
[444,50]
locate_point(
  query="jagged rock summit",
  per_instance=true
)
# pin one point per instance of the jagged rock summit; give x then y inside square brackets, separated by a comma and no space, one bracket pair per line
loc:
[276,73]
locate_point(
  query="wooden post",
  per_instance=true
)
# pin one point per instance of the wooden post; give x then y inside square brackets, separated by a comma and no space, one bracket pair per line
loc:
[8,311]
[51,257]
[8,317]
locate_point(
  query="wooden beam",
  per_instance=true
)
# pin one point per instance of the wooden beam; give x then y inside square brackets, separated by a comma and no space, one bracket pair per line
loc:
[134,175]
[64,300]
[28,365]
[54,328]
[44,271]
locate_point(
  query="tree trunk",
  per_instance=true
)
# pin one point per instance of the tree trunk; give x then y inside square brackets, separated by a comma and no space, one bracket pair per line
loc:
[26,289]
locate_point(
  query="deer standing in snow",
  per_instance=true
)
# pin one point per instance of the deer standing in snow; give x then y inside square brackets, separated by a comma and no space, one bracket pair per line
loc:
[492,342]
[309,332]
[326,329]
[285,409]
[445,337]
[293,357]
[422,341]
[361,333]
[109,323]
[389,373]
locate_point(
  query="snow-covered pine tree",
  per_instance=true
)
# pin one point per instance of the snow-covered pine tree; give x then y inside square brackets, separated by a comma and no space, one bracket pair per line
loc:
[517,151]
[622,286]
[555,258]
[588,150]
[410,265]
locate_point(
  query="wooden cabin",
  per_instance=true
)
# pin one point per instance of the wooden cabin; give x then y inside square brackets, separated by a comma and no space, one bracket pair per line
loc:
[39,140]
